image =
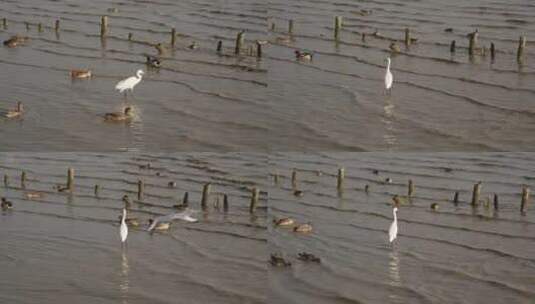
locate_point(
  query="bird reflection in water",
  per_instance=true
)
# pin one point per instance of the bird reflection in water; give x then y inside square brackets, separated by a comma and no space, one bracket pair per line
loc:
[393,273]
[389,137]
[124,283]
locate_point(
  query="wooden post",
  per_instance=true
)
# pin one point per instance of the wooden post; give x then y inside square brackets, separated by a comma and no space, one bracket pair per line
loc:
[185,199]
[473,42]
[97,190]
[130,36]
[337,26]
[23,180]
[70,179]
[456,197]
[340,179]
[56,26]
[367,188]
[521,47]
[452,46]
[140,190]
[410,190]
[173,37]
[254,199]
[27,25]
[103,26]
[475,194]
[407,36]
[363,37]
[258,49]
[495,201]
[250,50]
[273,26]
[492,51]
[225,203]
[239,42]
[219,46]
[294,179]
[525,199]
[276,178]
[6,180]
[4,23]
[40,27]
[290,26]
[205,195]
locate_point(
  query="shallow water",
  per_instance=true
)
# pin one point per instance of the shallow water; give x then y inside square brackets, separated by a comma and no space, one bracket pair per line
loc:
[456,254]
[201,101]
[66,248]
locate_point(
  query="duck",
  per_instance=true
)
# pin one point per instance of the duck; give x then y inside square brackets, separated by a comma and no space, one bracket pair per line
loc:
[153,61]
[308,257]
[34,195]
[286,221]
[278,261]
[398,201]
[145,166]
[126,200]
[15,41]
[434,206]
[6,205]
[375,171]
[193,46]
[394,47]
[80,74]
[299,193]
[16,112]
[160,226]
[303,55]
[130,221]
[388,180]
[448,30]
[119,116]
[303,228]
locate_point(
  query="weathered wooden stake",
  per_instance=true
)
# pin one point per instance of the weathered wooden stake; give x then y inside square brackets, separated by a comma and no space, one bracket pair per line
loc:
[276,178]
[410,190]
[475,194]
[104,26]
[496,201]
[492,51]
[4,23]
[363,37]
[525,199]
[254,199]
[367,188]
[6,180]
[70,179]
[23,180]
[472,43]
[521,47]
[452,46]
[239,42]
[219,46]
[27,25]
[258,49]
[40,28]
[130,36]
[337,26]
[97,190]
[185,199]
[140,190]
[290,26]
[456,197]
[250,50]
[173,37]
[205,195]
[294,179]
[407,36]
[225,203]
[56,26]
[340,179]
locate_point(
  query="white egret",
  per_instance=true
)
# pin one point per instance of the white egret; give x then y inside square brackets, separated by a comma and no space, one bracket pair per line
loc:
[124,227]
[389,78]
[393,230]
[129,83]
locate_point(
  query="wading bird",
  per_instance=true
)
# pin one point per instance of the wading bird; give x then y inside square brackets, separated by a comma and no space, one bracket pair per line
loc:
[393,230]
[129,83]
[389,79]
[124,227]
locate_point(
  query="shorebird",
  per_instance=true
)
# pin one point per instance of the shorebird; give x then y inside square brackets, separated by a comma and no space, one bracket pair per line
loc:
[393,230]
[389,78]
[124,227]
[129,83]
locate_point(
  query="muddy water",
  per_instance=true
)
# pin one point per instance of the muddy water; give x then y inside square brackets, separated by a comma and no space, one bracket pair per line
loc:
[455,254]
[65,248]
[439,102]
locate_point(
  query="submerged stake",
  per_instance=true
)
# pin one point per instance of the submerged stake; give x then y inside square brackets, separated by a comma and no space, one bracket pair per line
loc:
[496,201]
[6,180]
[56,26]
[290,26]
[340,179]
[456,197]
[225,202]
[205,195]
[475,194]
[140,189]
[337,26]
[294,179]
[525,199]
[452,46]
[70,179]
[185,199]
[97,189]
[173,37]
[239,42]
[492,51]
[219,46]
[407,36]
[23,180]
[254,199]
[410,190]
[104,26]
[521,47]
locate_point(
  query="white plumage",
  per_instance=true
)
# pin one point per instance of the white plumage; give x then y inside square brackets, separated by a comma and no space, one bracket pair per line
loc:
[393,230]
[129,83]
[186,216]
[124,227]
[389,78]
